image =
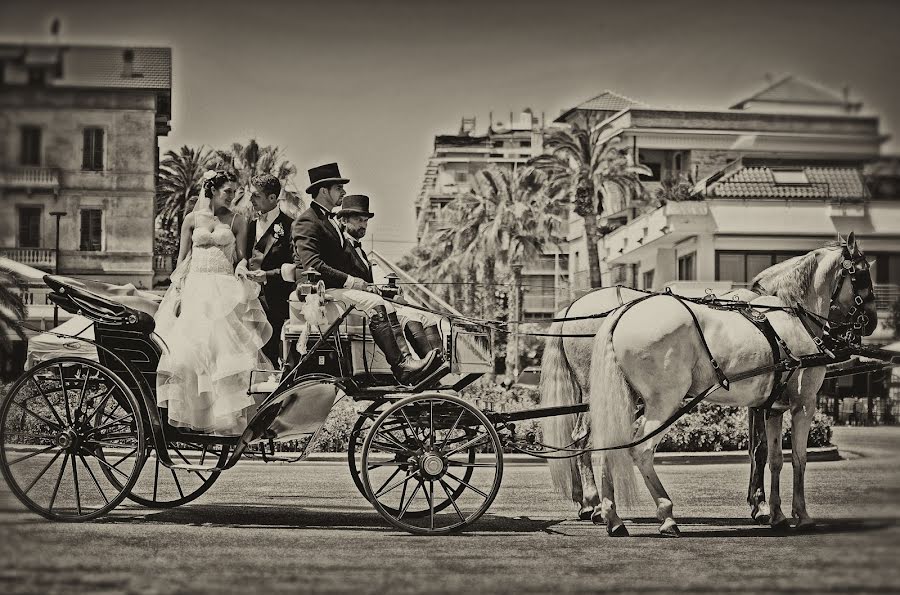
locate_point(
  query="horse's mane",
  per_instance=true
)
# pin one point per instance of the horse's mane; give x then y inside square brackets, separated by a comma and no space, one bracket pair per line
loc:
[791,280]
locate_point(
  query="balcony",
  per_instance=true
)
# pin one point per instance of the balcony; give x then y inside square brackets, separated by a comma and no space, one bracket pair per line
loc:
[540,301]
[886,295]
[30,178]
[39,258]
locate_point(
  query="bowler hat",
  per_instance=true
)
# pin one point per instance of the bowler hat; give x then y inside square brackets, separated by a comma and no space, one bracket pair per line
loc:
[355,204]
[323,175]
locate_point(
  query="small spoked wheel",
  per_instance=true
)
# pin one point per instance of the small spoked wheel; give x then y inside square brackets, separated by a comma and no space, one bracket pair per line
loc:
[432,464]
[66,426]
[161,487]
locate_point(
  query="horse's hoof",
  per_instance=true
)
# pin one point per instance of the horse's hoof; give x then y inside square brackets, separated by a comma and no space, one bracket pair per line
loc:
[670,531]
[781,527]
[762,519]
[761,514]
[805,526]
[586,515]
[618,531]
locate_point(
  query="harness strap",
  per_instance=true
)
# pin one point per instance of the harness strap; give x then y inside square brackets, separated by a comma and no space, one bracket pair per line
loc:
[720,375]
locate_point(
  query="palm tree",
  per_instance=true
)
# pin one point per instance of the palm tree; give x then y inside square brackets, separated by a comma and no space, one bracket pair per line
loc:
[178,181]
[582,170]
[246,161]
[12,310]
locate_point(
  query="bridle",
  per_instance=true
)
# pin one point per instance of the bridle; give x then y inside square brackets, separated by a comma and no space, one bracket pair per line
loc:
[849,326]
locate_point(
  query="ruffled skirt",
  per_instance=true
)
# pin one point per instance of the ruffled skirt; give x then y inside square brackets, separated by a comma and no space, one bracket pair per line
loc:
[214,329]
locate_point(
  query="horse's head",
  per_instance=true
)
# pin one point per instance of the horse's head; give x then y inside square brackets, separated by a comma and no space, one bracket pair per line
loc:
[853,297]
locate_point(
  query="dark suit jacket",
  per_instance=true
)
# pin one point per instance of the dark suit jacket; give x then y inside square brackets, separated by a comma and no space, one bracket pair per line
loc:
[275,291]
[358,267]
[317,245]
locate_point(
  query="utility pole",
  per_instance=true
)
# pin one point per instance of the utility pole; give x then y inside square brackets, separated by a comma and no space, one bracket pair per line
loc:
[59,215]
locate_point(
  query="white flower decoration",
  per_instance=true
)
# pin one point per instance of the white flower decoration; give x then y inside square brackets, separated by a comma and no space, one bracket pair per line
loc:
[278,230]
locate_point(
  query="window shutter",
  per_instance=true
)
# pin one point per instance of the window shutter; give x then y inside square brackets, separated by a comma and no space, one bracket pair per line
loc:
[98,149]
[86,155]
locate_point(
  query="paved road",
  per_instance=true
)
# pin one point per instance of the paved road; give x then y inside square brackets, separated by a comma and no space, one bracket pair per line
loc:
[300,528]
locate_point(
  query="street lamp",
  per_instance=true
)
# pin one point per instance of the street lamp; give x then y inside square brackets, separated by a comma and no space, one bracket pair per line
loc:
[59,215]
[517,316]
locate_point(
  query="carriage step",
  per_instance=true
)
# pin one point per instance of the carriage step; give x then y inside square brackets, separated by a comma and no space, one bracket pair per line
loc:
[192,467]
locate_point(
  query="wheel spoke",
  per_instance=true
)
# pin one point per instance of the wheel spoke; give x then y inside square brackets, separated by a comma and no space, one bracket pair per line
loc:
[87,378]
[393,475]
[75,482]
[119,462]
[111,468]
[41,474]
[431,502]
[62,470]
[47,401]
[371,466]
[468,485]
[33,454]
[453,429]
[415,435]
[96,483]
[403,481]
[107,443]
[451,463]
[389,448]
[470,443]
[49,424]
[183,458]
[452,501]
[156,477]
[102,403]
[431,432]
[408,502]
[111,423]
[65,394]
[177,483]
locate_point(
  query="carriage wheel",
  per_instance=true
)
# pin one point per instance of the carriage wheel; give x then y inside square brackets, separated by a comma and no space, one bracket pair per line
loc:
[354,458]
[417,454]
[64,425]
[161,487]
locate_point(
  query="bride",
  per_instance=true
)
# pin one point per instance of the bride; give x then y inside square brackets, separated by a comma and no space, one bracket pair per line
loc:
[211,319]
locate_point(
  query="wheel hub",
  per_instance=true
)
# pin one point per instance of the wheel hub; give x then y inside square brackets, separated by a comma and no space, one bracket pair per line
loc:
[432,465]
[67,438]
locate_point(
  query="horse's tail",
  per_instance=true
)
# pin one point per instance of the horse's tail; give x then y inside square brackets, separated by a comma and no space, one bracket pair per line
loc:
[612,410]
[559,387]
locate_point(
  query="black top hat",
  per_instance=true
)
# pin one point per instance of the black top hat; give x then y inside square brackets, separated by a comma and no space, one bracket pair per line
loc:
[324,175]
[355,204]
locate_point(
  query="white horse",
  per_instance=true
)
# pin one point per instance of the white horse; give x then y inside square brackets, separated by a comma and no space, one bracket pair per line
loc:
[566,366]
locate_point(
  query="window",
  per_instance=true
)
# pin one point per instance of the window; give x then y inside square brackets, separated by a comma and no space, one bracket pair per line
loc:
[687,267]
[656,172]
[29,227]
[498,144]
[886,269]
[742,267]
[92,158]
[678,162]
[91,230]
[648,280]
[789,176]
[525,143]
[460,177]
[36,76]
[31,146]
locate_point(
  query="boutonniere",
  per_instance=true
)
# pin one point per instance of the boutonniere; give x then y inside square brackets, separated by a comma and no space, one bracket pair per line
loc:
[278,230]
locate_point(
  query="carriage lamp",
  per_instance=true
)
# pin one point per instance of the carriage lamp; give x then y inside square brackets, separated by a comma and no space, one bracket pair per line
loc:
[391,290]
[307,282]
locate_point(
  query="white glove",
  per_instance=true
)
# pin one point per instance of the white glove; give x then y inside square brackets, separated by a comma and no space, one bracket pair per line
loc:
[241,271]
[356,283]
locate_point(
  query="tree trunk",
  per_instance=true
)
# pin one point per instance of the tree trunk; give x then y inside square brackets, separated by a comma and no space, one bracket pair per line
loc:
[512,339]
[591,235]
[469,290]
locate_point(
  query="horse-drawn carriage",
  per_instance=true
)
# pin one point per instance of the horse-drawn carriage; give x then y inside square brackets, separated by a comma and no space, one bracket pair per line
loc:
[78,436]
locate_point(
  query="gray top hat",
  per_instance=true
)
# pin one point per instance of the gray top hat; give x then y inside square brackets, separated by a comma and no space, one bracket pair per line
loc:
[355,204]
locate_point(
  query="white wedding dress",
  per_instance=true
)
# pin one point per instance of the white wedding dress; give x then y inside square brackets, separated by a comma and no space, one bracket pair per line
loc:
[214,328]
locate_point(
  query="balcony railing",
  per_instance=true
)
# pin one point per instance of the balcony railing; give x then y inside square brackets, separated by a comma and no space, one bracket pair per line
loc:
[886,295]
[39,258]
[29,177]
[164,263]
[539,301]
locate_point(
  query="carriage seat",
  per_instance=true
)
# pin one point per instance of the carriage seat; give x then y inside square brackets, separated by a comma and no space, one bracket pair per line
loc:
[73,296]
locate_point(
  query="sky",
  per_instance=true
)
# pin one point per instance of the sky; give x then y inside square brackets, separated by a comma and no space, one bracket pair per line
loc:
[370,83]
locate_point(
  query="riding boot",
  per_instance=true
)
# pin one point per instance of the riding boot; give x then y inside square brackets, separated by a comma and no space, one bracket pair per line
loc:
[415,334]
[426,349]
[406,369]
[424,339]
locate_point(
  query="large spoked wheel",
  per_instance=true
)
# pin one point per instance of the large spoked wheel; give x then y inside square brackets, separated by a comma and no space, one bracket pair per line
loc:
[65,426]
[161,487]
[421,452]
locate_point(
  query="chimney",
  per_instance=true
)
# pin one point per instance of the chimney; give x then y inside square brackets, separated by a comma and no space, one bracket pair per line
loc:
[128,64]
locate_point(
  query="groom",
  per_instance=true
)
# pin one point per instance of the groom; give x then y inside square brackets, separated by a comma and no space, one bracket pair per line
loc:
[269,246]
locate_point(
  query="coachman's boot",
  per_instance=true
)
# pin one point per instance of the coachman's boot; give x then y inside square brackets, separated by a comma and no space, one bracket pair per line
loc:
[407,370]
[424,340]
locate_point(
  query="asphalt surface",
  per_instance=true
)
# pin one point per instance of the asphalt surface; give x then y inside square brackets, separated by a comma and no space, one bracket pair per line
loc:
[302,528]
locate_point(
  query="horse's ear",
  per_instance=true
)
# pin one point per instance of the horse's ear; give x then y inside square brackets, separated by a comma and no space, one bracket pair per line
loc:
[872,262]
[851,242]
[841,241]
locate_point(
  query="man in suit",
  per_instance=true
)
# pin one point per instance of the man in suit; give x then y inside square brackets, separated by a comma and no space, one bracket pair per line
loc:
[268,249]
[320,244]
[421,329]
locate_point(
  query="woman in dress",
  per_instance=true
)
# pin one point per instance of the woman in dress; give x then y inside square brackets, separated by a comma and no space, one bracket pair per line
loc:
[211,319]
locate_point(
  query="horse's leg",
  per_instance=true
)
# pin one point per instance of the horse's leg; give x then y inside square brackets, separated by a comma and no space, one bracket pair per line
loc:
[606,510]
[801,419]
[756,493]
[584,471]
[776,459]
[643,458]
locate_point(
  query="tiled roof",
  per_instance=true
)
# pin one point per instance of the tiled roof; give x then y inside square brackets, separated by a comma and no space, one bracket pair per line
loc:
[791,89]
[844,183]
[609,101]
[97,66]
